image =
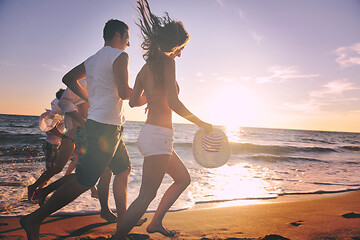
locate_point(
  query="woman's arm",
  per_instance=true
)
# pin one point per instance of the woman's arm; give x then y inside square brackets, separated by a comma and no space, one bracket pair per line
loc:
[171,91]
[137,98]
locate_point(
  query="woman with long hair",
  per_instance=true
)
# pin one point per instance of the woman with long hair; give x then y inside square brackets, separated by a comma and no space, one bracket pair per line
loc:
[156,85]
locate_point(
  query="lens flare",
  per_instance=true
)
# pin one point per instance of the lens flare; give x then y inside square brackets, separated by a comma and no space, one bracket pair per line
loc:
[103,144]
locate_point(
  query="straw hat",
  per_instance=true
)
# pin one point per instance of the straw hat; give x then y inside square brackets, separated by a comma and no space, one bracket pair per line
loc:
[211,150]
[47,121]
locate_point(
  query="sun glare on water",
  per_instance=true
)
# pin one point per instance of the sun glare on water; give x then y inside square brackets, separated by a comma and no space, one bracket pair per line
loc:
[229,183]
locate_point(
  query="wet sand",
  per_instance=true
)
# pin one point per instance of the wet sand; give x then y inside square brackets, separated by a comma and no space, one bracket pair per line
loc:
[334,216]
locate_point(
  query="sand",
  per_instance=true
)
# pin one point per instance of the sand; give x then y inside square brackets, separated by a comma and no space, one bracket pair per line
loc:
[334,216]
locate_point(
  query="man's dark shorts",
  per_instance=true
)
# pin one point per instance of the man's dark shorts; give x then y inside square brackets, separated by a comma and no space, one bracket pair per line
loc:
[104,147]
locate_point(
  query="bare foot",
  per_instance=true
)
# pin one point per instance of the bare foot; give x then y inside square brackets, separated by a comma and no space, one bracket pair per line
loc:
[31,192]
[109,216]
[161,229]
[141,222]
[115,237]
[31,227]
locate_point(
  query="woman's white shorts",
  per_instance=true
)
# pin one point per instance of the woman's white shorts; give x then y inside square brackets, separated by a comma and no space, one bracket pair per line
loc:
[155,140]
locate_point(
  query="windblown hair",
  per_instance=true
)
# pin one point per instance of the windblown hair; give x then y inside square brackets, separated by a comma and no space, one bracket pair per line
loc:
[162,35]
[111,27]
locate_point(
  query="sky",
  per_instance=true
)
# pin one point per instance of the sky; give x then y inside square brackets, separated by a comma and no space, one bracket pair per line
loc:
[291,64]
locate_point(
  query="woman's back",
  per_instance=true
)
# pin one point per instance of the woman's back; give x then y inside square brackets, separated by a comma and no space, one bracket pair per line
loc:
[159,112]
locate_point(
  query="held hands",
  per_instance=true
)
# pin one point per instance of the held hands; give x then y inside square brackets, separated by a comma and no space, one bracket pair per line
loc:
[208,128]
[82,122]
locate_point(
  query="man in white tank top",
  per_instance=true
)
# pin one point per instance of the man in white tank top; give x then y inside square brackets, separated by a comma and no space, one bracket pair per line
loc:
[108,85]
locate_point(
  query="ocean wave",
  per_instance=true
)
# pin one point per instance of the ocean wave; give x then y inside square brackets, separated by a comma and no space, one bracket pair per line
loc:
[330,184]
[321,191]
[239,148]
[12,184]
[351,162]
[272,196]
[312,140]
[20,125]
[23,160]
[272,158]
[24,151]
[20,138]
[275,196]
[351,148]
[242,148]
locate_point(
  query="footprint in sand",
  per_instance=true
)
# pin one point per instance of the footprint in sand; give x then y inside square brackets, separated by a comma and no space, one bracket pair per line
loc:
[274,237]
[351,215]
[297,223]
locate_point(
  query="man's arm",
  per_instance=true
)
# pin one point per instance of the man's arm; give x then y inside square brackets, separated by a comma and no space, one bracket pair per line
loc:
[71,80]
[121,73]
[77,117]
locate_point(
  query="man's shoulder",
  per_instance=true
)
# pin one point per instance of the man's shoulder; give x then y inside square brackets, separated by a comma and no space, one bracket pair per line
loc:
[111,53]
[122,58]
[109,49]
[106,53]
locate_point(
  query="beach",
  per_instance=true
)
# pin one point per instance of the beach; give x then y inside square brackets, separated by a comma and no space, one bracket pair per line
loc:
[264,164]
[277,184]
[325,216]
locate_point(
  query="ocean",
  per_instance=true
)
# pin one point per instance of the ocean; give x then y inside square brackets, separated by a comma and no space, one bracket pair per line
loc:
[264,163]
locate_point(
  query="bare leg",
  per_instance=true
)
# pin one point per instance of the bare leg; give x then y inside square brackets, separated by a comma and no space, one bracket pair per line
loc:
[65,151]
[177,170]
[103,195]
[120,186]
[63,196]
[42,193]
[120,194]
[72,164]
[154,169]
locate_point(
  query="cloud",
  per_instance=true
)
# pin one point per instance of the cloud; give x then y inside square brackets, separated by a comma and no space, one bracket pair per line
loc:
[330,97]
[281,74]
[304,106]
[199,74]
[334,88]
[199,77]
[226,79]
[240,13]
[348,56]
[221,2]
[56,69]
[245,78]
[258,38]
[7,64]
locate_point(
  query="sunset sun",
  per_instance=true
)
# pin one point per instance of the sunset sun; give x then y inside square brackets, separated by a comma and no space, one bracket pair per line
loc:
[234,107]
